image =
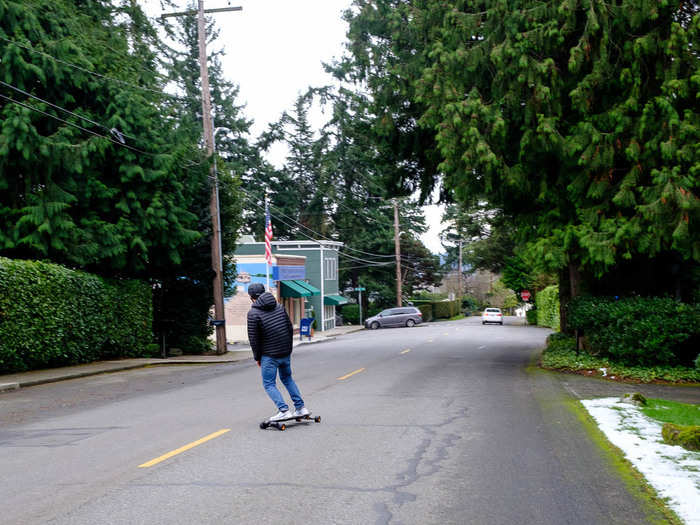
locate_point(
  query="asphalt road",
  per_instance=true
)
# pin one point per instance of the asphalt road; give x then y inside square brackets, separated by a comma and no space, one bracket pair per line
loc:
[443,423]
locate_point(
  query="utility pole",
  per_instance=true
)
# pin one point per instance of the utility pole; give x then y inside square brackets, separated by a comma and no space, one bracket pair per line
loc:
[208,125]
[459,270]
[397,248]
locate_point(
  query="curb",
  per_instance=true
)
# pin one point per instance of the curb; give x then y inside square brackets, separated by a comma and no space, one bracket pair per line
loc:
[6,387]
[316,342]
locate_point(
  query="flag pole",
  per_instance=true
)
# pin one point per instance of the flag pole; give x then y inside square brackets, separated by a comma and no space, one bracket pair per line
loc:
[268,246]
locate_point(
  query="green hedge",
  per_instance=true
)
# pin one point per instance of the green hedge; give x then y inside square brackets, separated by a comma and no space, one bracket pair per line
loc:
[531,316]
[642,331]
[427,311]
[547,307]
[445,309]
[52,316]
[351,313]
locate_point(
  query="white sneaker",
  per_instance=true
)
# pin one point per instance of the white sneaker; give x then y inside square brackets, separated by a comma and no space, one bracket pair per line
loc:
[303,411]
[279,416]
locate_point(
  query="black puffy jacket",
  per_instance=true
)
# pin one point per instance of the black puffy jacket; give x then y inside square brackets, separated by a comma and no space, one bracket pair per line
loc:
[270,331]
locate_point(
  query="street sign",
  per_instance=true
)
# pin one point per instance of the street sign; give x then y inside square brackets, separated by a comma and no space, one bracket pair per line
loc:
[360,289]
[525,295]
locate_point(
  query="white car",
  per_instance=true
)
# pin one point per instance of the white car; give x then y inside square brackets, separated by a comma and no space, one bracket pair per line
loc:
[492,315]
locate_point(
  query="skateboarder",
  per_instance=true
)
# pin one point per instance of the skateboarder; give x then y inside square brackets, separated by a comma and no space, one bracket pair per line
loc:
[270,334]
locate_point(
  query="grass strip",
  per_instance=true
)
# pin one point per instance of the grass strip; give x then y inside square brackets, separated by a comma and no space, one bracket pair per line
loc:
[672,412]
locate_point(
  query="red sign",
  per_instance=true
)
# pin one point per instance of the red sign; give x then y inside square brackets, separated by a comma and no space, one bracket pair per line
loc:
[525,295]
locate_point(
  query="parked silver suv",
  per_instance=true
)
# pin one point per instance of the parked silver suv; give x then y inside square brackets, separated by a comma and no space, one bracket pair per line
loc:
[406,316]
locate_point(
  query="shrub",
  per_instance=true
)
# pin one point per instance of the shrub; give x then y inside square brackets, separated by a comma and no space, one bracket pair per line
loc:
[547,303]
[687,437]
[53,316]
[531,316]
[642,331]
[442,309]
[427,311]
[351,313]
[469,304]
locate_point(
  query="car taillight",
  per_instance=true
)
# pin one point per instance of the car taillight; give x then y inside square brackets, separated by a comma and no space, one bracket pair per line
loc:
[420,314]
[498,315]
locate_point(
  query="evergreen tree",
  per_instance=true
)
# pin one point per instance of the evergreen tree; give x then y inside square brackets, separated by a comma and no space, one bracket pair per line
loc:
[578,121]
[89,176]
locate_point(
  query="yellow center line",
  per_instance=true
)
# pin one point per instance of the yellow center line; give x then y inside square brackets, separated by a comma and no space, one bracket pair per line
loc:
[182,449]
[406,351]
[351,374]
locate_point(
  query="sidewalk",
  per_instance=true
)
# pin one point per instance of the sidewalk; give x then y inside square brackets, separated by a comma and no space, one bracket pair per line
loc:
[236,352]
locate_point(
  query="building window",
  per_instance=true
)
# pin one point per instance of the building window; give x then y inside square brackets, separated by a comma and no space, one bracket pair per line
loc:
[329,315]
[331,269]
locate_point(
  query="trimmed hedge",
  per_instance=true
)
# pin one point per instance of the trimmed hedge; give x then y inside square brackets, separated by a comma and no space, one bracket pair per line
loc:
[427,311]
[642,331]
[52,316]
[442,309]
[531,316]
[547,307]
[351,313]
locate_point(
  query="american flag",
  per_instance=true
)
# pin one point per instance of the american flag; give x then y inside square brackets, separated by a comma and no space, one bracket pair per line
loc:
[268,234]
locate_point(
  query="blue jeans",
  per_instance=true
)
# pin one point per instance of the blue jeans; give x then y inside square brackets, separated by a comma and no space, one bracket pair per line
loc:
[269,367]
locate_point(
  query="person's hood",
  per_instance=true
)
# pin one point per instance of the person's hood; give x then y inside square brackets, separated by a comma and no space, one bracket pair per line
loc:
[266,301]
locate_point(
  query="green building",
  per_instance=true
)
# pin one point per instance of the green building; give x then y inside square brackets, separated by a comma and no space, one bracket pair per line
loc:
[322,276]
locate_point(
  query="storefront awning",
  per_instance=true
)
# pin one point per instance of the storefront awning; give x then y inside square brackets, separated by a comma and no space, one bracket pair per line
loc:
[293,289]
[309,287]
[296,288]
[334,300]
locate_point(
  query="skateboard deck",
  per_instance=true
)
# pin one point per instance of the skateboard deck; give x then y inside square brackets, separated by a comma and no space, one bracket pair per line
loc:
[282,423]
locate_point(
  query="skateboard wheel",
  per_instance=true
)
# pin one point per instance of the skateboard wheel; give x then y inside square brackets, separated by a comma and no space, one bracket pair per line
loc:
[283,427]
[317,419]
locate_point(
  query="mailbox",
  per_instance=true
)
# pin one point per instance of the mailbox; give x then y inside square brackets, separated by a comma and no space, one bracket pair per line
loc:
[305,327]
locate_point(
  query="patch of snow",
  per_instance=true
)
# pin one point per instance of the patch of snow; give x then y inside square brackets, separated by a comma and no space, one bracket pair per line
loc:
[672,470]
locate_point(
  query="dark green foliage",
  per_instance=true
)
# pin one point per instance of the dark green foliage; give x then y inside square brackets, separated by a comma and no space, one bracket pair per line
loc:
[561,354]
[639,330]
[531,316]
[547,310]
[445,309]
[52,316]
[686,437]
[470,304]
[427,311]
[574,123]
[351,314]
[82,197]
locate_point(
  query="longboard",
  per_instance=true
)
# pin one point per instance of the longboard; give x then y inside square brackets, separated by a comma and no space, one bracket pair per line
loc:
[282,423]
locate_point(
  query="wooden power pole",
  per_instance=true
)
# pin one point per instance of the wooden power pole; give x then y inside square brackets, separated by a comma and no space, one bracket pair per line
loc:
[397,247]
[208,125]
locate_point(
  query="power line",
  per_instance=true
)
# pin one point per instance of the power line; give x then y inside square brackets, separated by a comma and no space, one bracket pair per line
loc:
[118,143]
[340,253]
[315,232]
[113,131]
[93,73]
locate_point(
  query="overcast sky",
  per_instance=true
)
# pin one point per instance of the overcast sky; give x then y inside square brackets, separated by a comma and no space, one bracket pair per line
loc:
[274,50]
